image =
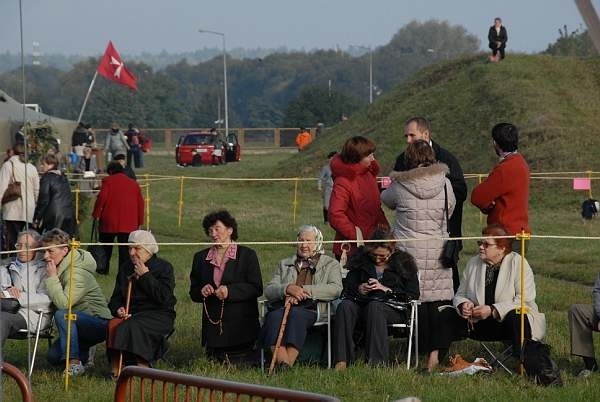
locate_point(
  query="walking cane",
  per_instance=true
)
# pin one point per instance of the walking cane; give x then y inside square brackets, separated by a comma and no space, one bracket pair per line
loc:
[286,311]
[129,284]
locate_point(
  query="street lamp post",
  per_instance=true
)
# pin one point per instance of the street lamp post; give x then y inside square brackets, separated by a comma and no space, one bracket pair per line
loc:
[370,69]
[222,35]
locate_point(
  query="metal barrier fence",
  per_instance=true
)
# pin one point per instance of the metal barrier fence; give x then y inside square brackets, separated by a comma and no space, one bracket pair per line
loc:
[137,383]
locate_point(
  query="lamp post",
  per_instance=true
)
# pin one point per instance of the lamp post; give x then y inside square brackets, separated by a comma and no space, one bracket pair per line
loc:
[370,69]
[222,35]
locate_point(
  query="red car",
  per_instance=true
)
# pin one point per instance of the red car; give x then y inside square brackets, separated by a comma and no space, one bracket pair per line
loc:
[203,148]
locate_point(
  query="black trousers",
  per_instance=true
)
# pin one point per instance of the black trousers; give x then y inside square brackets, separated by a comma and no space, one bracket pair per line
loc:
[13,228]
[374,316]
[429,323]
[495,50]
[123,250]
[454,327]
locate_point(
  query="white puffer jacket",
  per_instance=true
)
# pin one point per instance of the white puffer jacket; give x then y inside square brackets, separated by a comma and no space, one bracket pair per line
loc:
[417,196]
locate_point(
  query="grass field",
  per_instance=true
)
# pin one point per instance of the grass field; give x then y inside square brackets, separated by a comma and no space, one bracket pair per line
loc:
[564,272]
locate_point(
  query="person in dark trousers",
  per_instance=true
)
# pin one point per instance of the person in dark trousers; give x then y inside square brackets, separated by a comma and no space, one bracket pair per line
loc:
[419,128]
[497,38]
[120,210]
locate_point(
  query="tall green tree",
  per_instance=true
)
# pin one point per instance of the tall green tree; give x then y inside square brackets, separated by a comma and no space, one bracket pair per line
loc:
[319,105]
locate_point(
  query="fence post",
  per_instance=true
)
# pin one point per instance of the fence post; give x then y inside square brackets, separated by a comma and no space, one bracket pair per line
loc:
[589,172]
[277,137]
[240,135]
[77,190]
[168,137]
[295,202]
[147,202]
[70,316]
[180,201]
[523,236]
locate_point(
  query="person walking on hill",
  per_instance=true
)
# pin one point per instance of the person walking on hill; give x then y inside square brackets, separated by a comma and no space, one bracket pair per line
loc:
[303,139]
[419,128]
[504,195]
[19,210]
[497,38]
[120,210]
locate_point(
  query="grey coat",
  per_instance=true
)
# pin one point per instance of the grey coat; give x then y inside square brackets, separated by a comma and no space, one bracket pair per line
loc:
[34,295]
[326,284]
[417,196]
[326,185]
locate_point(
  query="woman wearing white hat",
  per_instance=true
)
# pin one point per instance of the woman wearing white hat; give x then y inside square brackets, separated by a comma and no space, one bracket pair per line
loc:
[150,316]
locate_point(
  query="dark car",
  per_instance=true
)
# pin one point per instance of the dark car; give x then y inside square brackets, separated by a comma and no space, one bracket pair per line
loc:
[204,148]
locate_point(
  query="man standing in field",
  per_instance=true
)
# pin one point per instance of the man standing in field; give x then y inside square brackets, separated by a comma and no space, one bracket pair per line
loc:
[504,195]
[418,128]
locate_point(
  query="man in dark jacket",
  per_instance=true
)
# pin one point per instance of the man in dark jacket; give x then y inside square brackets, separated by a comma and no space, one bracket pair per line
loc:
[497,38]
[418,128]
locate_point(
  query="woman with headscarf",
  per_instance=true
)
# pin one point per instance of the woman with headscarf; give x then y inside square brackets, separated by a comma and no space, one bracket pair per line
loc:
[226,279]
[302,280]
[151,316]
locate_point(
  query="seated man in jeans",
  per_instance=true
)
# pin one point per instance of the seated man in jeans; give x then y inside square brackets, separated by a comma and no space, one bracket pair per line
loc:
[584,319]
[23,279]
[88,302]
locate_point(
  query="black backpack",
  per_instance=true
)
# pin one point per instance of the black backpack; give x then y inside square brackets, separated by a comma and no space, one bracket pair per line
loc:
[539,365]
[588,209]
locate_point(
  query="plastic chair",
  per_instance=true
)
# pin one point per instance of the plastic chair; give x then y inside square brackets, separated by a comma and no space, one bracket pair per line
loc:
[42,331]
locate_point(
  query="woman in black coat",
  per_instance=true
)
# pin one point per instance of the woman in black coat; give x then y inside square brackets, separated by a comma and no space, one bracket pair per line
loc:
[377,274]
[150,320]
[55,206]
[226,278]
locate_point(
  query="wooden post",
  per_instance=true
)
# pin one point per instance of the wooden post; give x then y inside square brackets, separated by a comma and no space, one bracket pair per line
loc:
[241,136]
[168,142]
[277,137]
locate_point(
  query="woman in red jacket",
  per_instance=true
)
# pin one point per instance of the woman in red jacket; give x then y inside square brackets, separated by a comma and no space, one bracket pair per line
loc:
[355,206]
[120,210]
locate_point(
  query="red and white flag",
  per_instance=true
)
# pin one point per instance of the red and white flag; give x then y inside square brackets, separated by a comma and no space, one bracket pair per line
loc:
[112,68]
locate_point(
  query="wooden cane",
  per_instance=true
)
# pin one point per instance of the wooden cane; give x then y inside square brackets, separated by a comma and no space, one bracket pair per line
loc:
[127,302]
[286,311]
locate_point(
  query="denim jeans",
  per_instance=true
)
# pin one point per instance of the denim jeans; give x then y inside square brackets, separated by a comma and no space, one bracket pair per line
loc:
[86,331]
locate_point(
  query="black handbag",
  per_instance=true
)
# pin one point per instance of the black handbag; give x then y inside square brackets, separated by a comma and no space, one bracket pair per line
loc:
[451,250]
[97,251]
[10,305]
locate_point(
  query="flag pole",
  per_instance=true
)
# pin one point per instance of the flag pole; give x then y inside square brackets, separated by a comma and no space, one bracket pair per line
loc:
[87,96]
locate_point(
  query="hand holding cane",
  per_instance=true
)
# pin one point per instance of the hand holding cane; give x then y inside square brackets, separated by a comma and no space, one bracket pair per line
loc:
[127,302]
[286,311]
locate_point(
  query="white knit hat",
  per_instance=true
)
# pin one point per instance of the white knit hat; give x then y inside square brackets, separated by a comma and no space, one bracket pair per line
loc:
[145,239]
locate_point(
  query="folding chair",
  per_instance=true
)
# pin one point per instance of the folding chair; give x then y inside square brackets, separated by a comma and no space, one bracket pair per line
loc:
[497,359]
[412,325]
[42,330]
[321,320]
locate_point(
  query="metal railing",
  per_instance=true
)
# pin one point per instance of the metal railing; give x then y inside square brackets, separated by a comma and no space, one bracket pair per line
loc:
[20,379]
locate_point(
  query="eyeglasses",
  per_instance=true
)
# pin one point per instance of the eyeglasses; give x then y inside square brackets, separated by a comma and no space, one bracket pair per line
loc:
[485,244]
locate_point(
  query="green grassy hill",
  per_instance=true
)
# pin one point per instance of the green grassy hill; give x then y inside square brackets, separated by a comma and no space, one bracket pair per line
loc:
[554,101]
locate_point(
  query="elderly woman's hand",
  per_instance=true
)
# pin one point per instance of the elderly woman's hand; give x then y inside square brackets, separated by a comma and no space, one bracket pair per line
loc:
[482,312]
[221,293]
[297,291]
[207,290]
[466,309]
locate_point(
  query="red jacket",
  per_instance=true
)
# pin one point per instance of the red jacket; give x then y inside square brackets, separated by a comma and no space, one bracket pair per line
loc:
[354,201]
[508,187]
[119,206]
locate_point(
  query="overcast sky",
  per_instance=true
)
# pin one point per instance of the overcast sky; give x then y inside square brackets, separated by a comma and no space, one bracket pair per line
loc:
[85,26]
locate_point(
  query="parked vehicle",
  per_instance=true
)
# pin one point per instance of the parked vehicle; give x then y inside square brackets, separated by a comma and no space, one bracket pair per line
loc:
[203,148]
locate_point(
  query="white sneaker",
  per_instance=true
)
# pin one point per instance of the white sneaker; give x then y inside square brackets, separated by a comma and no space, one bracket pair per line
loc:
[585,373]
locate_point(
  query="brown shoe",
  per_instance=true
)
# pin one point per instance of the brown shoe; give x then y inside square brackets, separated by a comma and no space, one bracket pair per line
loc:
[340,366]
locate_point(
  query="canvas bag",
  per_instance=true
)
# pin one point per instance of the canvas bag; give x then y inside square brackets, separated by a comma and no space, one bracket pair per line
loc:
[346,249]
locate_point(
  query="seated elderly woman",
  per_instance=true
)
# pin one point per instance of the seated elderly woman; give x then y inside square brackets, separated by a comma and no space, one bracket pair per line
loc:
[377,274]
[487,299]
[301,280]
[147,309]
[226,279]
